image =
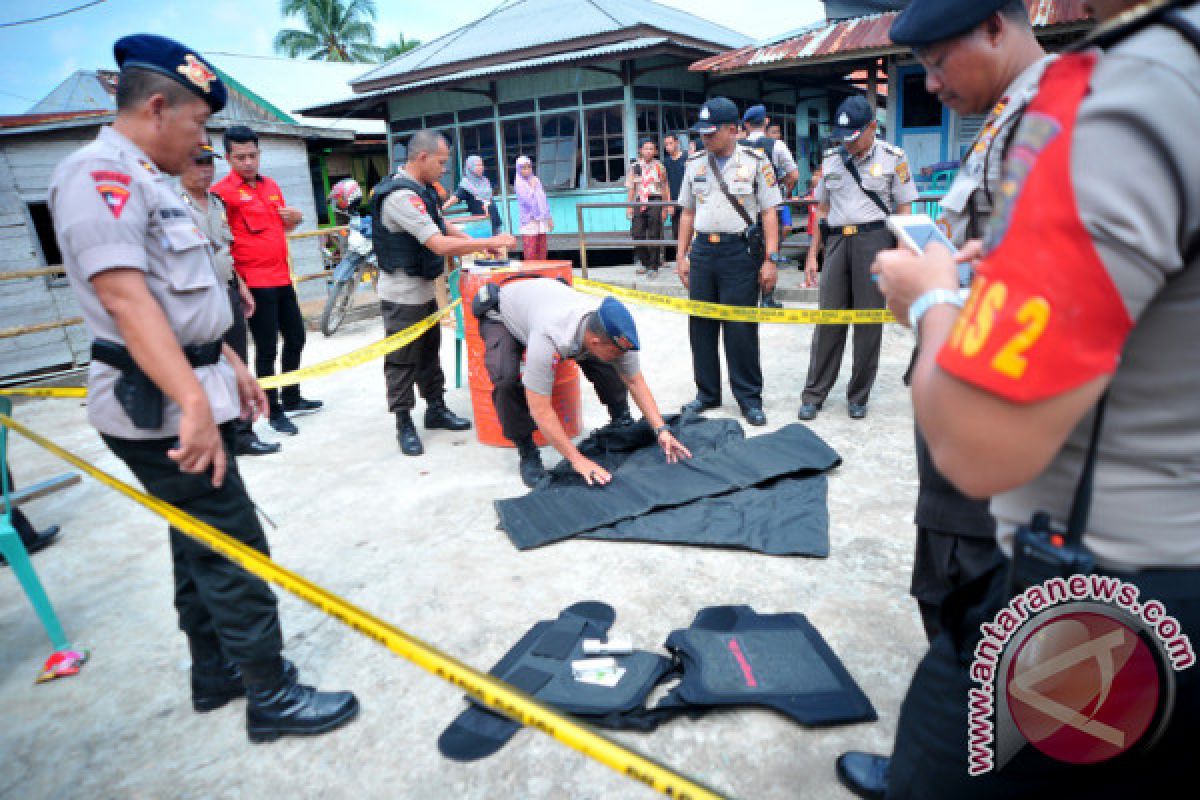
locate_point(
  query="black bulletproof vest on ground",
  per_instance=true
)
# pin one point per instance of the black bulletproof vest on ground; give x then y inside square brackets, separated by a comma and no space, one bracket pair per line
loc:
[765,494]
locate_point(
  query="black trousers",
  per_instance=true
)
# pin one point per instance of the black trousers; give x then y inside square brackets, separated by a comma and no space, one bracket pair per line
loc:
[945,562]
[502,358]
[219,603]
[724,273]
[931,753]
[418,363]
[648,224]
[277,314]
[846,283]
[237,338]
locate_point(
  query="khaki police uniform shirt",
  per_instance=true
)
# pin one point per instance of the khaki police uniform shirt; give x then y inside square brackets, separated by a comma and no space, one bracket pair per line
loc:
[550,319]
[215,225]
[884,170]
[114,209]
[749,178]
[1138,197]
[405,212]
[972,193]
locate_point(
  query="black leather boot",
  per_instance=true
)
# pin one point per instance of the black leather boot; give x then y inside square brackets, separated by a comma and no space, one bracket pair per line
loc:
[216,682]
[406,434]
[276,705]
[532,470]
[437,415]
[864,774]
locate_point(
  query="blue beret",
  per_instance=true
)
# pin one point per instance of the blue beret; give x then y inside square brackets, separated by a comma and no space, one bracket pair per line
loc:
[716,112]
[852,116]
[755,114]
[618,324]
[176,61]
[927,22]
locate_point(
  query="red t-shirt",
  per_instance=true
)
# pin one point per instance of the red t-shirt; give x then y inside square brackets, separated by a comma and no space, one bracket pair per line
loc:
[260,250]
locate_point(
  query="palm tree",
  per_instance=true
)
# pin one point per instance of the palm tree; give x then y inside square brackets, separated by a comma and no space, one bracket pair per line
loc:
[399,47]
[334,30]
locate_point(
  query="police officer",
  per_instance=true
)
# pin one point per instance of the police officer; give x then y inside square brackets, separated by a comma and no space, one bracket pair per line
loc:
[725,188]
[209,210]
[862,182]
[1094,241]
[755,121]
[989,65]
[411,243]
[528,326]
[163,390]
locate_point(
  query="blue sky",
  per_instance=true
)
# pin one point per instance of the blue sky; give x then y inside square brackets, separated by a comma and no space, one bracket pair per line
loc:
[35,58]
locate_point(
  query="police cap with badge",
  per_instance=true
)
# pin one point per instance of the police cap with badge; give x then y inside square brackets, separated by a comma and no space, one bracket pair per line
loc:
[176,61]
[716,112]
[926,22]
[852,118]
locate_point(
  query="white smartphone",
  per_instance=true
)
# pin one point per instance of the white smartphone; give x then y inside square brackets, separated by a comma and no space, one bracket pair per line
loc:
[918,231]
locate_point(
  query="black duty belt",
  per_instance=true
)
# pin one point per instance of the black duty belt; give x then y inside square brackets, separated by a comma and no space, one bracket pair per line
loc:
[854,230]
[138,395]
[718,238]
[117,355]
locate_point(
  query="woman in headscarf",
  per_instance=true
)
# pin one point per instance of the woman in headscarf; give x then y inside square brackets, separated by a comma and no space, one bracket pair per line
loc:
[476,191]
[536,220]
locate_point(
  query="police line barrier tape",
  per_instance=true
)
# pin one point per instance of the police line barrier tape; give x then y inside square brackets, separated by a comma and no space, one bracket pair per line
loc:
[696,308]
[349,360]
[490,691]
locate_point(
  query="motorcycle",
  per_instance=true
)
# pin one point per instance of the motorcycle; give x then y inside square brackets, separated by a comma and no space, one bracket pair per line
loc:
[358,266]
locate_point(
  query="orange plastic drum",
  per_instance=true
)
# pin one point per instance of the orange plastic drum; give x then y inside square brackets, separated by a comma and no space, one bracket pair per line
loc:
[565,398]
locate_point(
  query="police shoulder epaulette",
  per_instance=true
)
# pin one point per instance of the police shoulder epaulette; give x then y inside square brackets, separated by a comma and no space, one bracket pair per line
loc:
[893,149]
[833,151]
[700,154]
[754,152]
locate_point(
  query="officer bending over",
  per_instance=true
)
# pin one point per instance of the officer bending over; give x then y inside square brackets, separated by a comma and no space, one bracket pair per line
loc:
[545,321]
[163,390]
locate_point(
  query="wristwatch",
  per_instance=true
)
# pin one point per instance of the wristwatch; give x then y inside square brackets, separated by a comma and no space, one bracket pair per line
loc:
[934,297]
[659,430]
[778,258]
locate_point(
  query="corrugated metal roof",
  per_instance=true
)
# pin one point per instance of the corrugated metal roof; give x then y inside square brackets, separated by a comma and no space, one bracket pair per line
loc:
[29,120]
[591,53]
[83,89]
[522,24]
[862,35]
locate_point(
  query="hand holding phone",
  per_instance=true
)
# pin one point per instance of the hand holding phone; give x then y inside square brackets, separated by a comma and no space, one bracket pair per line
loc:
[918,231]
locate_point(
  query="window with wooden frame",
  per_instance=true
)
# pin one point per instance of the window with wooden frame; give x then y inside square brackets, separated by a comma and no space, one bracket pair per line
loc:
[558,151]
[520,139]
[480,140]
[605,146]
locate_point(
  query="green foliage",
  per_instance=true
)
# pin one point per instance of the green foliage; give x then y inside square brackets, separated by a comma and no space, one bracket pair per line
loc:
[333,30]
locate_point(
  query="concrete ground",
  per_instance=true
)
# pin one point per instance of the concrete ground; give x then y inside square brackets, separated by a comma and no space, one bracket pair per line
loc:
[415,541]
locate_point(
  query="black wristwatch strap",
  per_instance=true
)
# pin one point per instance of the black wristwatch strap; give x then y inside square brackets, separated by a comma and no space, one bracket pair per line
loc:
[659,430]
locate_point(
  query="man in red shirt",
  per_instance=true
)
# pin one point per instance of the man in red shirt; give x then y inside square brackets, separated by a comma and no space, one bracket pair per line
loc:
[260,220]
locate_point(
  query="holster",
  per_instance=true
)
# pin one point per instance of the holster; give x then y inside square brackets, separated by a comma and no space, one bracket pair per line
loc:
[756,243]
[141,399]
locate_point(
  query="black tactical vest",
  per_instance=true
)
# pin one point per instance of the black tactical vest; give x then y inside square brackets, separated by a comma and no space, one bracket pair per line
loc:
[766,146]
[401,251]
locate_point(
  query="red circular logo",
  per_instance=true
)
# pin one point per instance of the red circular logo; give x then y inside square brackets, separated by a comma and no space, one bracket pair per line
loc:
[1083,688]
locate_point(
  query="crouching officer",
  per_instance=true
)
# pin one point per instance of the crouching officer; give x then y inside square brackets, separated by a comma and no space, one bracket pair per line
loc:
[163,390]
[732,257]
[862,182]
[545,321]
[411,243]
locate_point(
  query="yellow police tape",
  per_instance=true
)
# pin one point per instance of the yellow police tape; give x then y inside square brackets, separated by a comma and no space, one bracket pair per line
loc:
[488,690]
[695,308]
[346,361]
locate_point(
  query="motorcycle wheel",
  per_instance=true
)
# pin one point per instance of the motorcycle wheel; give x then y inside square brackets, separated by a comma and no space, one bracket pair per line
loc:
[341,295]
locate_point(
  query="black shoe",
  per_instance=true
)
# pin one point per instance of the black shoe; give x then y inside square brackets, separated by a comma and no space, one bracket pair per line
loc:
[41,540]
[864,774]
[808,411]
[215,684]
[302,406]
[257,447]
[755,416]
[280,706]
[439,416]
[857,411]
[406,434]
[531,466]
[699,406]
[279,421]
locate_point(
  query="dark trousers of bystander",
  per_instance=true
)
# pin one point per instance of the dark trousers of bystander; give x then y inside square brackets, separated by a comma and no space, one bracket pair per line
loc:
[647,224]
[237,337]
[417,364]
[502,357]
[277,314]
[723,272]
[222,608]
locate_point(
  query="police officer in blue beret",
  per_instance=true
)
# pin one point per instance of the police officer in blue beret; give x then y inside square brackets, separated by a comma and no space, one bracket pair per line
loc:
[979,58]
[164,391]
[755,121]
